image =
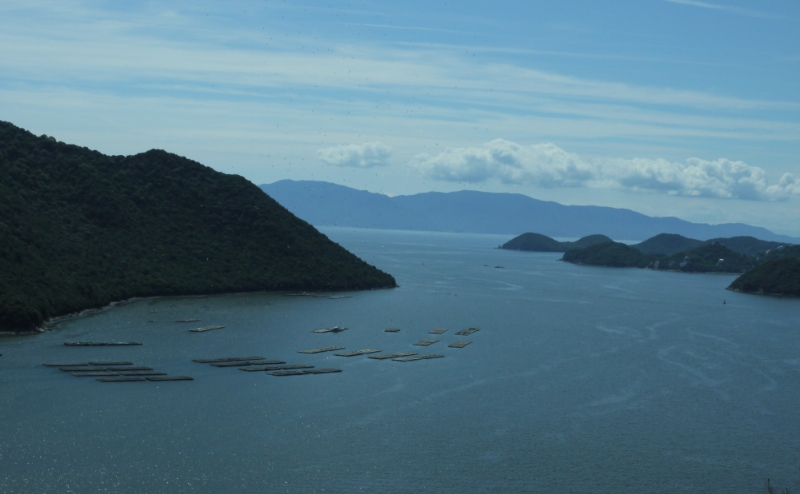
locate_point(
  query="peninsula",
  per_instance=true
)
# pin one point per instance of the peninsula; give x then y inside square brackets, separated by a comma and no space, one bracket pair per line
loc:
[80,229]
[780,276]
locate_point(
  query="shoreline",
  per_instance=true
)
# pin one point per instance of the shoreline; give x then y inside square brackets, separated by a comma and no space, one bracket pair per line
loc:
[51,323]
[764,294]
[726,273]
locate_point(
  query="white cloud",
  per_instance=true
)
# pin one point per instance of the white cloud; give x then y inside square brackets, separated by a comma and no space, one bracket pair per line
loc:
[365,155]
[547,165]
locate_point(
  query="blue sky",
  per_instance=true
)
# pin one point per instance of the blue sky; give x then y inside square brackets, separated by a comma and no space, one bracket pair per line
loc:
[669,107]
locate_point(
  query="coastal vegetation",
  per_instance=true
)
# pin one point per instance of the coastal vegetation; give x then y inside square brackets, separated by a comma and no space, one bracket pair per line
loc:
[611,254]
[667,244]
[79,229]
[780,276]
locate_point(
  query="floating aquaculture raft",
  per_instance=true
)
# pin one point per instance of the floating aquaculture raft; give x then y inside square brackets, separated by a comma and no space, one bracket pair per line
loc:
[225,359]
[257,368]
[426,342]
[391,355]
[459,344]
[321,371]
[287,373]
[205,328]
[438,331]
[242,363]
[102,343]
[467,332]
[334,329]
[94,373]
[114,371]
[321,350]
[354,353]
[392,330]
[414,358]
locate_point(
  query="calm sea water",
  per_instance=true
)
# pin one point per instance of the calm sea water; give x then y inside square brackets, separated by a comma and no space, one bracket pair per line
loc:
[580,380]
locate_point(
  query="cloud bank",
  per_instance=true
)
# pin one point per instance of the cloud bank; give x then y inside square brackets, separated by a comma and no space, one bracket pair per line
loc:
[367,155]
[547,165]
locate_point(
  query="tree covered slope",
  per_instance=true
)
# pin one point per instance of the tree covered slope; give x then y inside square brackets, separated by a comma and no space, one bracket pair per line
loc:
[667,244]
[778,276]
[611,254]
[79,229]
[536,242]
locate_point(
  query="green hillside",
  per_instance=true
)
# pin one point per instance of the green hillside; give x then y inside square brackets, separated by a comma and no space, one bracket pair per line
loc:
[748,246]
[708,258]
[611,254]
[704,259]
[535,242]
[780,276]
[667,244]
[586,242]
[79,229]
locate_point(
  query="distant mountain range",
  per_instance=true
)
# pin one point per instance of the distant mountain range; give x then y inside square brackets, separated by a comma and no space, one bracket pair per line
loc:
[328,204]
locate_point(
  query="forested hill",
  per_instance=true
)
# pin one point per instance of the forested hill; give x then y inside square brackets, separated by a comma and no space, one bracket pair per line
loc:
[536,242]
[79,229]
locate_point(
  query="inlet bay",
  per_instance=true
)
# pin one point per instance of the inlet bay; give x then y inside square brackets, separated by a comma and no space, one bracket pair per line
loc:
[580,379]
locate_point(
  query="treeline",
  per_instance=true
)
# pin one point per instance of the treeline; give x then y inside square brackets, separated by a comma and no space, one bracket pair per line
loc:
[79,229]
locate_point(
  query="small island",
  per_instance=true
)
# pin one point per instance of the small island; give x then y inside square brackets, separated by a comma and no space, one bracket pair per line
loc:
[80,230]
[765,267]
[536,242]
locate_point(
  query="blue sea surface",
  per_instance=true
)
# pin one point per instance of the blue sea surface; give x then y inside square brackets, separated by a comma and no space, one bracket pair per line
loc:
[581,379]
